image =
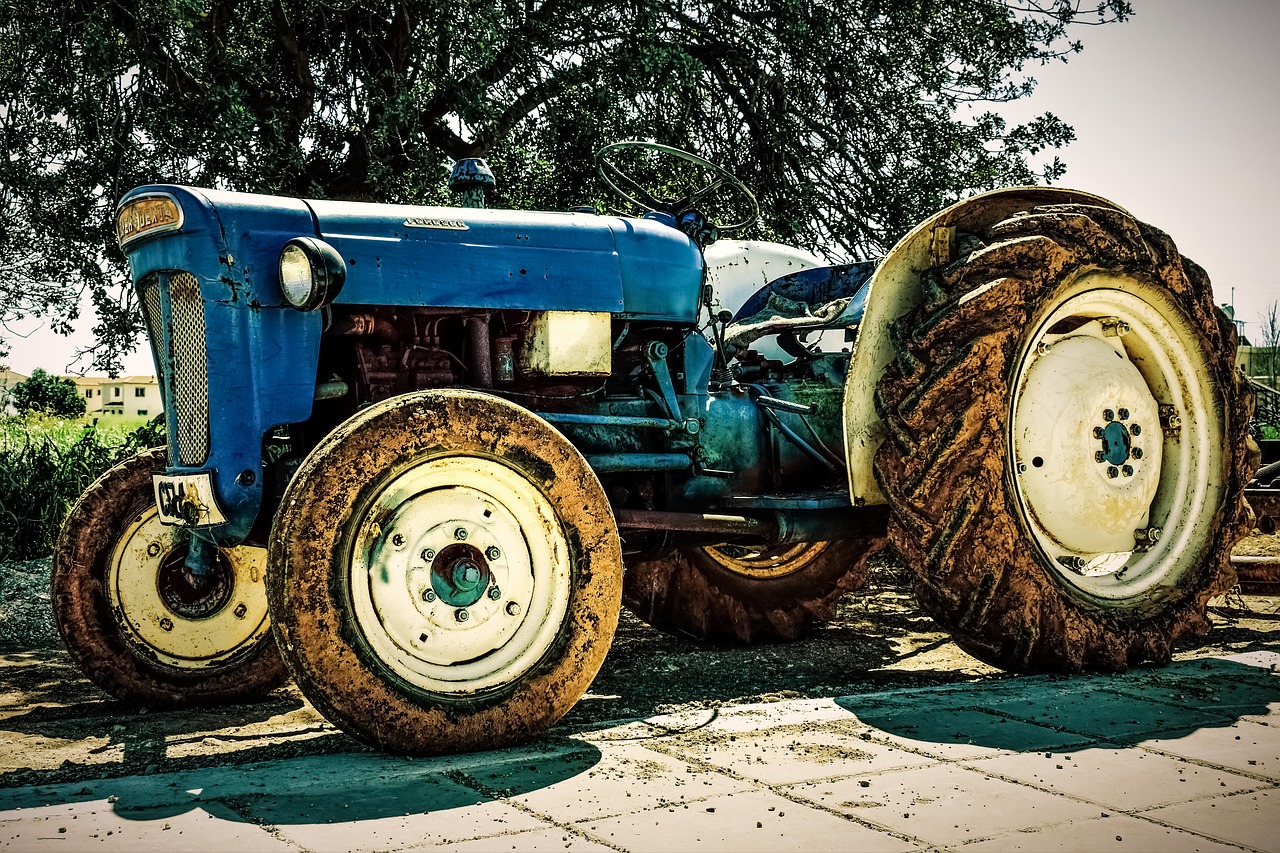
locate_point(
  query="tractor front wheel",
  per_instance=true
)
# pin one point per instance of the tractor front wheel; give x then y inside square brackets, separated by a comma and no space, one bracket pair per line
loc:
[444,574]
[136,623]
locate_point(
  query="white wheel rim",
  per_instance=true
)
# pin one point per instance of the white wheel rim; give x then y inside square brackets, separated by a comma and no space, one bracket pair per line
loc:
[509,532]
[1121,514]
[177,640]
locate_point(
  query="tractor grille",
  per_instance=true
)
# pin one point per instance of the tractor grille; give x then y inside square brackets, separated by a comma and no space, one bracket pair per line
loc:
[189,373]
[151,313]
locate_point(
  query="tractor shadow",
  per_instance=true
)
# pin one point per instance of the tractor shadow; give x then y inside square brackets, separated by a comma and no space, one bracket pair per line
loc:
[1171,708]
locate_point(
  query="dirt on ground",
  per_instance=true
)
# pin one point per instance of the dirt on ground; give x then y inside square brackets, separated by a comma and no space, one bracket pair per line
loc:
[56,727]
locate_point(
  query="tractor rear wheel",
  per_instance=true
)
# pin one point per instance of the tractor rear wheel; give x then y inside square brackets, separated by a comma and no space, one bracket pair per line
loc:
[1067,443]
[445,574]
[737,594]
[136,624]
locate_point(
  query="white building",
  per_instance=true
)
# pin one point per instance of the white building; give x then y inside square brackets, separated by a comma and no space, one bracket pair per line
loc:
[132,396]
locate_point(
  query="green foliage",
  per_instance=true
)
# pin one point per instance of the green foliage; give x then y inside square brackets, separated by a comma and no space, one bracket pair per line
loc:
[45,464]
[43,392]
[851,119]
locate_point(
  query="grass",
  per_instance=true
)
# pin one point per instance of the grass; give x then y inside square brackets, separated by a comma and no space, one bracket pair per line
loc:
[46,462]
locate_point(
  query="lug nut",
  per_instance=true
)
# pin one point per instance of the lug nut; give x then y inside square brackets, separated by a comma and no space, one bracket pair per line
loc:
[495,593]
[1147,535]
[1136,452]
[1098,432]
[428,595]
[428,554]
[460,534]
[513,609]
[240,610]
[1124,414]
[166,623]
[492,552]
[1099,456]
[1134,429]
[462,615]
[1108,415]
[397,541]
[1044,347]
[1127,470]
[1113,471]
[153,550]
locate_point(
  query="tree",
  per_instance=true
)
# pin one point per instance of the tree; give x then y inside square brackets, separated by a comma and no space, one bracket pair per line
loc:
[1269,333]
[43,392]
[852,119]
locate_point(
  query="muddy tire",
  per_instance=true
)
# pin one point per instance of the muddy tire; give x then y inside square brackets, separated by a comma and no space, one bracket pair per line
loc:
[445,573]
[1067,443]
[131,622]
[733,594]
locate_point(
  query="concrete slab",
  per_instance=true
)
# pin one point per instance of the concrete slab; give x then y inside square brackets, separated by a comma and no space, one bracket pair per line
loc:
[743,823]
[99,826]
[1118,779]
[1116,832]
[943,804]
[1250,820]
[790,752]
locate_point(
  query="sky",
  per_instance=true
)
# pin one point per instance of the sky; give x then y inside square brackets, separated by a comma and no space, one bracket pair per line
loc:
[1177,119]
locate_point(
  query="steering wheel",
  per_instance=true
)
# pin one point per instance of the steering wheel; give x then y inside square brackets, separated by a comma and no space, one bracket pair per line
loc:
[629,189]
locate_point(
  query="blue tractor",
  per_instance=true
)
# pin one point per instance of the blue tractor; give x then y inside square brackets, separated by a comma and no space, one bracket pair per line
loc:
[419,457]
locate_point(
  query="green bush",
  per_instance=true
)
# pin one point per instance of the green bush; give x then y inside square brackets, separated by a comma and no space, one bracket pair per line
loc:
[45,463]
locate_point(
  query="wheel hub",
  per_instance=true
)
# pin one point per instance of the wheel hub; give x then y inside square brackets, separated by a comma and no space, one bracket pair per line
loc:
[1086,472]
[460,574]
[177,618]
[194,596]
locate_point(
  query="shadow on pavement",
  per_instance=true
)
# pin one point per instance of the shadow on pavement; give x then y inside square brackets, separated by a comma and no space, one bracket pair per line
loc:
[319,789]
[1074,712]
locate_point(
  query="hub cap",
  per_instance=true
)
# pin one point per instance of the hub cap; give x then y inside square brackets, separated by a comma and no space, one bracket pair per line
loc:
[1114,434]
[180,622]
[460,575]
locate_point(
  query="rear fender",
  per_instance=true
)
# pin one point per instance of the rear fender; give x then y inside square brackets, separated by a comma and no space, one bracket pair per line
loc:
[895,290]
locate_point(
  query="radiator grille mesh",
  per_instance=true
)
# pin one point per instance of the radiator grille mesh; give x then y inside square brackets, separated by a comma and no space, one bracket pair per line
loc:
[190,371]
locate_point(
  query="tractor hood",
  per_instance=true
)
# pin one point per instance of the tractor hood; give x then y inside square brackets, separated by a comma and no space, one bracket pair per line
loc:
[483,258]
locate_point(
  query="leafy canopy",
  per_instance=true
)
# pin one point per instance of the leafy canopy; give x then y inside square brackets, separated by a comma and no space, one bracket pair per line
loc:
[852,119]
[43,392]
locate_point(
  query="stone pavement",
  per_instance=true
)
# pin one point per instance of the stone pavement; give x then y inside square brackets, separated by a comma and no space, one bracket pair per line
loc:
[1181,758]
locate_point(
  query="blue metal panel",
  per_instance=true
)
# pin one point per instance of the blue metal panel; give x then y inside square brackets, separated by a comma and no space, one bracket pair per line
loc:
[662,271]
[485,258]
[261,353]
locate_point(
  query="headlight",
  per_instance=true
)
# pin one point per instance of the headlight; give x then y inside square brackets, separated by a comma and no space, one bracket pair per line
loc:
[311,273]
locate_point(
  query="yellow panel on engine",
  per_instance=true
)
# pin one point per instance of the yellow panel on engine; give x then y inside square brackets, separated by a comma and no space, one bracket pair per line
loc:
[568,343]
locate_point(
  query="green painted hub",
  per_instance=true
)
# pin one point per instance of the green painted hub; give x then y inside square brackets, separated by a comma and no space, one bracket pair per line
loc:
[1115,443]
[460,575]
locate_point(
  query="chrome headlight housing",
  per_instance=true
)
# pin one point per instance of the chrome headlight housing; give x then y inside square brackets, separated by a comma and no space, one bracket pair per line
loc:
[311,273]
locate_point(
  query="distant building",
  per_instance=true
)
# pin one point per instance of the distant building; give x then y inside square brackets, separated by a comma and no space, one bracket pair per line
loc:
[1261,364]
[9,378]
[134,396]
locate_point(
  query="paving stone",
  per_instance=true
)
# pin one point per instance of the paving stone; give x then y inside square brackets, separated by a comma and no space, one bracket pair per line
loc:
[1123,779]
[1251,819]
[98,826]
[791,752]
[944,804]
[1116,832]
[742,823]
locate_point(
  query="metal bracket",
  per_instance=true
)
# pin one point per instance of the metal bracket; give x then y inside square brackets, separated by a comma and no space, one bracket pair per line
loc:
[655,355]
